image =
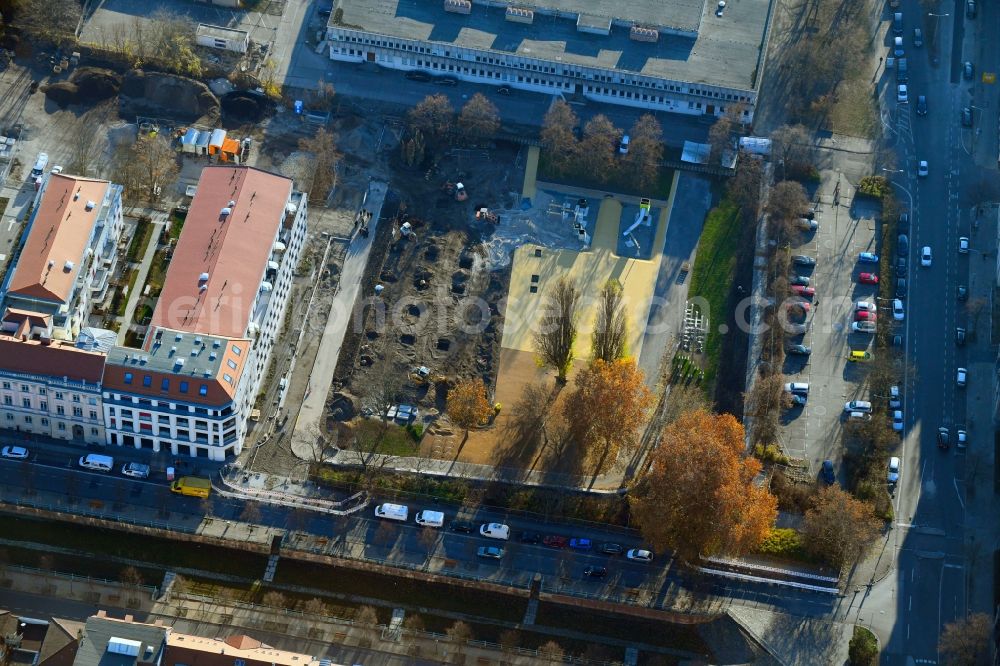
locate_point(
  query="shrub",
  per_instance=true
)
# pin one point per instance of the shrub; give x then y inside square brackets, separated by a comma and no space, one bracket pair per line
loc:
[863,648]
[783,542]
[770,453]
[874,186]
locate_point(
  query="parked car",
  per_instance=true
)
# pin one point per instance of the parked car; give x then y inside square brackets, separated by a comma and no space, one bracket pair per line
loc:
[803,260]
[531,537]
[897,420]
[798,400]
[610,549]
[902,245]
[868,258]
[417,75]
[553,541]
[868,278]
[970,9]
[898,313]
[595,572]
[15,452]
[504,90]
[858,406]
[864,315]
[797,387]
[900,287]
[807,224]
[894,398]
[490,552]
[495,531]
[897,47]
[461,526]
[799,290]
[581,544]
[446,81]
[802,280]
[903,224]
[893,475]
[827,472]
[961,439]
[866,306]
[639,555]
[863,327]
[800,350]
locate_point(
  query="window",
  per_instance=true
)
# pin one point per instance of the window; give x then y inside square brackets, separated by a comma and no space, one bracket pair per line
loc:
[90,401]
[203,390]
[10,417]
[45,421]
[27,419]
[77,411]
[61,426]
[147,380]
[60,410]
[164,384]
[26,402]
[236,350]
[76,398]
[128,377]
[59,395]
[42,391]
[93,415]
[184,387]
[6,385]
[94,432]
[7,400]
[24,388]
[228,378]
[44,406]
[231,363]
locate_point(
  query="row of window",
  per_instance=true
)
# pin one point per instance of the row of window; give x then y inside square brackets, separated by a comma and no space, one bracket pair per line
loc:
[44,422]
[180,421]
[183,385]
[43,406]
[179,433]
[59,395]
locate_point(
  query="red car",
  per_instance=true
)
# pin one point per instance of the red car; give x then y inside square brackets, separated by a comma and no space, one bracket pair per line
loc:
[868,278]
[864,315]
[803,291]
[798,304]
[555,541]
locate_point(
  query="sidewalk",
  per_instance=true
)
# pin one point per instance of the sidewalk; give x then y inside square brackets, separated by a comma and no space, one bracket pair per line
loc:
[159,219]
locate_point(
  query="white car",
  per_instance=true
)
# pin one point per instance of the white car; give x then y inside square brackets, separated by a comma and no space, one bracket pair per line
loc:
[16,452]
[922,169]
[894,401]
[858,406]
[893,475]
[963,439]
[902,95]
[863,327]
[495,531]
[897,420]
[639,555]
[925,256]
[865,306]
[961,376]
[897,310]
[963,245]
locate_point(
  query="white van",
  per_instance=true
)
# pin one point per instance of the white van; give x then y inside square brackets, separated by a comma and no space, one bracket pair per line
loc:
[430,518]
[40,163]
[392,512]
[97,462]
[495,531]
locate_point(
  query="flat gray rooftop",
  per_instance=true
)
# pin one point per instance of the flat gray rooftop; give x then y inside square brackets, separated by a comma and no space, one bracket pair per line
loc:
[680,14]
[725,52]
[196,352]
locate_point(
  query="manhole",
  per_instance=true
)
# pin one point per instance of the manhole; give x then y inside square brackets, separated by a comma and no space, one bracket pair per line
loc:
[444,344]
[407,339]
[414,310]
[372,334]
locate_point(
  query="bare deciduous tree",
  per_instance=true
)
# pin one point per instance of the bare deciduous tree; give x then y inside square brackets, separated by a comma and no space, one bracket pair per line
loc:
[49,20]
[145,168]
[315,606]
[274,599]
[609,343]
[556,330]
[642,163]
[323,146]
[558,141]
[433,116]
[479,119]
[745,187]
[966,642]
[791,146]
[598,149]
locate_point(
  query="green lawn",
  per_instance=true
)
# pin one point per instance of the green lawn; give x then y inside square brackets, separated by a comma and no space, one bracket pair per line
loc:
[143,234]
[712,275]
[176,224]
[123,299]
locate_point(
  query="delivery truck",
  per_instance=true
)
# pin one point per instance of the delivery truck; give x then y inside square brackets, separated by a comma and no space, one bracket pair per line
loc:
[192,486]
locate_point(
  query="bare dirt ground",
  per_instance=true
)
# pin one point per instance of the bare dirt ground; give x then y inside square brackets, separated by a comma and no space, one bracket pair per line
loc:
[440,295]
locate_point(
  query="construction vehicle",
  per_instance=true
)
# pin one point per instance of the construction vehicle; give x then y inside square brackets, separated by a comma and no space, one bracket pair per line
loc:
[422,375]
[485,215]
[456,190]
[192,486]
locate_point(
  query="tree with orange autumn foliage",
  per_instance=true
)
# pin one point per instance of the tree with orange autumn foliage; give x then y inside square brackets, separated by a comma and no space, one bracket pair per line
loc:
[697,496]
[468,406]
[608,405]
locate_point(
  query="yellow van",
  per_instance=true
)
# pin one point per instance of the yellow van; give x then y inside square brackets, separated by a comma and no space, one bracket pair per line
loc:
[859,356]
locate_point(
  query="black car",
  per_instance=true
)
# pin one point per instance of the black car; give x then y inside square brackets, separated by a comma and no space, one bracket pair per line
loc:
[966,117]
[904,222]
[800,350]
[595,572]
[531,537]
[897,340]
[504,90]
[461,526]
[963,293]
[960,336]
[943,438]
[922,105]
[417,75]
[611,549]
[900,287]
[902,245]
[901,265]
[803,260]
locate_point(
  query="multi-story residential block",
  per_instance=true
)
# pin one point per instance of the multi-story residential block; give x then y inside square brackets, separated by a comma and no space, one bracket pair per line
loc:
[68,255]
[49,387]
[191,387]
[682,57]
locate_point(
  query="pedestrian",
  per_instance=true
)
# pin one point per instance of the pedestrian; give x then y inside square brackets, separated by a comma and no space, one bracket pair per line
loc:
[816,304]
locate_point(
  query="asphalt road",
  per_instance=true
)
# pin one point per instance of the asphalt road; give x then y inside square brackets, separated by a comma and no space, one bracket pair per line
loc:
[929,589]
[53,476]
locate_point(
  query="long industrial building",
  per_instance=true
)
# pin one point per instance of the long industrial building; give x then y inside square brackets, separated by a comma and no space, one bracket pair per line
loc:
[685,56]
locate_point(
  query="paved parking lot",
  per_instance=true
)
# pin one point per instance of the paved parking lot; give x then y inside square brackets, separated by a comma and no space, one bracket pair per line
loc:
[813,432]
